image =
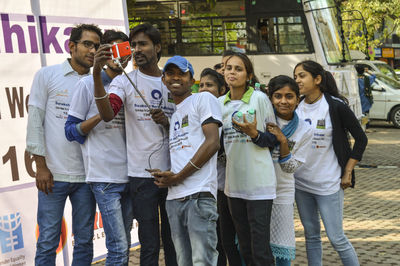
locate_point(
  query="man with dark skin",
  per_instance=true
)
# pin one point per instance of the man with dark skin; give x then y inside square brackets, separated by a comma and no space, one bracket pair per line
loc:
[146,136]
[192,181]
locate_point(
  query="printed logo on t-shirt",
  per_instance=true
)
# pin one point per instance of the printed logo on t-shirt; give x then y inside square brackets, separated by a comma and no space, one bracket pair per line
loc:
[156,94]
[308,120]
[156,100]
[177,126]
[321,124]
[137,94]
[180,137]
[318,141]
[185,121]
[62,93]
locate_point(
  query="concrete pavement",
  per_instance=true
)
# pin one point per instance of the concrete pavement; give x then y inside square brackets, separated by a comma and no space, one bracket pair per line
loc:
[371,212]
[372,209]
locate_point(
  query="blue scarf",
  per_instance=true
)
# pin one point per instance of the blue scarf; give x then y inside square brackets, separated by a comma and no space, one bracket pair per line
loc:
[290,128]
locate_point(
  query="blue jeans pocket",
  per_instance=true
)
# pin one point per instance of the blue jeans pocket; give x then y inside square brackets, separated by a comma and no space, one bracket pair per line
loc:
[99,187]
[206,208]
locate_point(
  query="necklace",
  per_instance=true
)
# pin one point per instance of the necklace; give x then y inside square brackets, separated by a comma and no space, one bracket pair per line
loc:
[313,101]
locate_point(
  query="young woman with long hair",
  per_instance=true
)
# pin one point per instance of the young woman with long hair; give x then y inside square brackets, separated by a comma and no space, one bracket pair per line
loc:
[329,167]
[250,176]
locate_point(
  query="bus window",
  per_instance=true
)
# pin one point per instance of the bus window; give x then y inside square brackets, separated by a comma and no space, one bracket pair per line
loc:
[282,35]
[202,28]
[266,43]
[195,28]
[324,13]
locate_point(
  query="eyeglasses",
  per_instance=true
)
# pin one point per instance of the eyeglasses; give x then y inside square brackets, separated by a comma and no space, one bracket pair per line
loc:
[89,44]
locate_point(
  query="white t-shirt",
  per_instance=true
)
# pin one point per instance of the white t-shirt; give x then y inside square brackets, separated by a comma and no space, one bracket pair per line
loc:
[104,151]
[250,172]
[52,91]
[321,173]
[299,145]
[146,140]
[185,137]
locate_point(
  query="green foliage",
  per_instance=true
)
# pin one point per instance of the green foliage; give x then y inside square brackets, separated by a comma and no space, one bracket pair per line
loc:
[381,16]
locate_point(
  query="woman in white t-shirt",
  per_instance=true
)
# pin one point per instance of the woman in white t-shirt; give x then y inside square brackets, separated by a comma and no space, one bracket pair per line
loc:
[329,167]
[250,177]
[213,82]
[294,136]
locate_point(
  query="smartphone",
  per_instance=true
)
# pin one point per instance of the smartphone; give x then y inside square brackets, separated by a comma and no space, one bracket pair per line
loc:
[121,49]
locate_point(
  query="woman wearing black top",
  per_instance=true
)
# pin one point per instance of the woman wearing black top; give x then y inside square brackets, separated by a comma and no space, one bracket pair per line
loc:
[329,166]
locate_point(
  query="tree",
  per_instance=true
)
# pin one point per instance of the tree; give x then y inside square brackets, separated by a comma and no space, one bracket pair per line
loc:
[382,19]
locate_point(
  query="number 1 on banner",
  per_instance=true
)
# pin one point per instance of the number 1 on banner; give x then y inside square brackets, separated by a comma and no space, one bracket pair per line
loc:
[11,156]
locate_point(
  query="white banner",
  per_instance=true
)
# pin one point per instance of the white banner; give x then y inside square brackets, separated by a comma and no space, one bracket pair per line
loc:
[35,34]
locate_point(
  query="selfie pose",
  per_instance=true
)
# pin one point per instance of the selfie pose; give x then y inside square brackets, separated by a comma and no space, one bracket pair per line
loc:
[146,137]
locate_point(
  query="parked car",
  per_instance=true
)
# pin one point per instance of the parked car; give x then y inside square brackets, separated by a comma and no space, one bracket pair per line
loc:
[377,66]
[386,106]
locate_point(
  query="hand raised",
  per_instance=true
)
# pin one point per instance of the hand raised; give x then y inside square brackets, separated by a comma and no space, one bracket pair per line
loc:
[102,55]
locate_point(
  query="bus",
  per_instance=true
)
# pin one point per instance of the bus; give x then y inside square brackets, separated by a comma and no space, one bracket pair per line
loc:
[275,34]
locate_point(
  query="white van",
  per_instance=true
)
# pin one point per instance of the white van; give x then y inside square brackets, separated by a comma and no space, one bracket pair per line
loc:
[377,66]
[386,106]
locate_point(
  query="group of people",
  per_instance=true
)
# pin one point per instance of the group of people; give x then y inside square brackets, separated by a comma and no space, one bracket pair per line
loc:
[222,167]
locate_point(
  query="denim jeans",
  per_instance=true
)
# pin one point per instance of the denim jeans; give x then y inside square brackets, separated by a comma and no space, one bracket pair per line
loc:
[228,232]
[252,220]
[193,228]
[115,208]
[49,217]
[145,196]
[330,207]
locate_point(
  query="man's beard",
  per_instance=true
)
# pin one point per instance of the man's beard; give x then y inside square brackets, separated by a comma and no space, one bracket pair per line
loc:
[144,63]
[81,61]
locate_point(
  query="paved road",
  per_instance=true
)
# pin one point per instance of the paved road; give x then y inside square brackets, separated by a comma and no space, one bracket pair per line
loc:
[372,209]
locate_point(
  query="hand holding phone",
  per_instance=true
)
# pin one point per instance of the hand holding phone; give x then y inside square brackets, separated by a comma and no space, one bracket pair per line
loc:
[120,50]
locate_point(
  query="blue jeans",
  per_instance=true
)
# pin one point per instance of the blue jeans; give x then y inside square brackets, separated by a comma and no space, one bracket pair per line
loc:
[49,217]
[146,197]
[193,229]
[330,207]
[115,208]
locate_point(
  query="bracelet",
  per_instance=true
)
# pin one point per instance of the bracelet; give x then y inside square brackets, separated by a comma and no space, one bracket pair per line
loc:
[102,97]
[284,156]
[198,168]
[256,138]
